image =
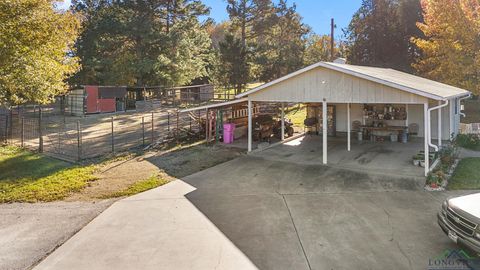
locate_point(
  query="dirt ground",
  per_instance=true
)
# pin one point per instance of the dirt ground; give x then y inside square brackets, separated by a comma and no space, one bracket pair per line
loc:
[94,134]
[168,164]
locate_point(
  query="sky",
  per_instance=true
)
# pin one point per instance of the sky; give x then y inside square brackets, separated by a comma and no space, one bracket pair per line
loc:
[315,13]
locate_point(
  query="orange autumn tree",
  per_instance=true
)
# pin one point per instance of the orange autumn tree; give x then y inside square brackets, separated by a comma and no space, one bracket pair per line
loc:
[451,48]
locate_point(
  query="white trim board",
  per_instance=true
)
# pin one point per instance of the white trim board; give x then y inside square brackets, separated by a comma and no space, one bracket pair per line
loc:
[215,105]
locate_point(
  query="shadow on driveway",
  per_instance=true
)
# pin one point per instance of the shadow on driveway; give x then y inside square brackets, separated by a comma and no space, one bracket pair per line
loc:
[251,212]
[292,216]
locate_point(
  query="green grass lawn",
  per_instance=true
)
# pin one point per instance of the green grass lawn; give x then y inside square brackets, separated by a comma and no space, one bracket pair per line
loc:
[468,141]
[231,91]
[296,114]
[141,186]
[30,177]
[466,175]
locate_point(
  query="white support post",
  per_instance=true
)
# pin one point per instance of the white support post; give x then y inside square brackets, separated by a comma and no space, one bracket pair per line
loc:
[349,125]
[406,111]
[439,133]
[458,112]
[249,125]
[325,130]
[426,136]
[451,116]
[283,122]
[207,125]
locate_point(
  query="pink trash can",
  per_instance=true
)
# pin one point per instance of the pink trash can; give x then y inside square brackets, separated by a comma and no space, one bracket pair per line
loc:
[228,131]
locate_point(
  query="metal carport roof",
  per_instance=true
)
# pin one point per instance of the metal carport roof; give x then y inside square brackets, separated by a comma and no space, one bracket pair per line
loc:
[386,76]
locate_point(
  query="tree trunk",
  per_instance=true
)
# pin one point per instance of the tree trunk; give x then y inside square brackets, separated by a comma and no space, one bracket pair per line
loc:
[139,53]
[168,15]
[244,23]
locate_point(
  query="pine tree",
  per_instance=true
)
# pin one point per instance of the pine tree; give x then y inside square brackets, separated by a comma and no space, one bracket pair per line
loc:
[281,48]
[232,67]
[143,42]
[249,20]
[250,17]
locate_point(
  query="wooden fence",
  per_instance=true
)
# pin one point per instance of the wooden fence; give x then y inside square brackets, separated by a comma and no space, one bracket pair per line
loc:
[473,128]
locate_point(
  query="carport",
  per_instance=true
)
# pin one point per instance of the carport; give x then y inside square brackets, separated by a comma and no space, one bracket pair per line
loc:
[353,89]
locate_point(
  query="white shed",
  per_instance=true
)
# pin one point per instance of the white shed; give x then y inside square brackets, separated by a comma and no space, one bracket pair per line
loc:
[433,106]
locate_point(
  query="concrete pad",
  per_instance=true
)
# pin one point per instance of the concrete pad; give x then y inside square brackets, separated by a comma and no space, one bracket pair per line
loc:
[154,230]
[259,175]
[467,153]
[383,157]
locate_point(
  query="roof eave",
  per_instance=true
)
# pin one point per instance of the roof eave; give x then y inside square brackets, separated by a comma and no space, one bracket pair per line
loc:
[215,105]
[353,73]
[384,82]
[460,95]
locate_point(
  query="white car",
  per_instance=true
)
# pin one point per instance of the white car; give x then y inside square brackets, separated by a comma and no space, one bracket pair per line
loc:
[460,220]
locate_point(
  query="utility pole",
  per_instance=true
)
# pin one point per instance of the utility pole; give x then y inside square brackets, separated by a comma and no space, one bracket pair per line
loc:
[332,40]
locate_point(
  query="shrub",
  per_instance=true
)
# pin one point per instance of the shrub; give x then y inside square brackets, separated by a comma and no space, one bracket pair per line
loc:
[438,177]
[469,141]
[447,155]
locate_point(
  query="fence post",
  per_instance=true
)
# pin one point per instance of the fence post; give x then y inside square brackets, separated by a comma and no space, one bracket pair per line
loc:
[40,135]
[207,126]
[79,142]
[151,142]
[143,130]
[11,126]
[199,121]
[178,126]
[113,137]
[6,128]
[168,121]
[22,138]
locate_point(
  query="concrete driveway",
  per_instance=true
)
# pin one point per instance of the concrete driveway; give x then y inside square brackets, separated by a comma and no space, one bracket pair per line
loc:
[271,214]
[290,216]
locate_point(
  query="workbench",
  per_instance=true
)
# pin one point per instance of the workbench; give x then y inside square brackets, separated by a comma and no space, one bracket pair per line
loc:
[384,130]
